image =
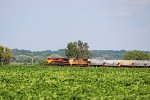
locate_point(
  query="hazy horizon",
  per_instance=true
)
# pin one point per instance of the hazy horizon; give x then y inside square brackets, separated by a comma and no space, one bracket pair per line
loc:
[50,24]
[89,49]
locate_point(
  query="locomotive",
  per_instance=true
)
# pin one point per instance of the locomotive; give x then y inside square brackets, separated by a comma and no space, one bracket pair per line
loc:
[67,62]
[98,62]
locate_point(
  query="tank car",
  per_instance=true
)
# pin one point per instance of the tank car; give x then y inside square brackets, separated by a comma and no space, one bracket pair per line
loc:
[147,63]
[139,63]
[134,63]
[125,63]
[95,62]
[112,63]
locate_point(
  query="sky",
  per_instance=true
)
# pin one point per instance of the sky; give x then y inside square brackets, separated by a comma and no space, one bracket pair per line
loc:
[51,24]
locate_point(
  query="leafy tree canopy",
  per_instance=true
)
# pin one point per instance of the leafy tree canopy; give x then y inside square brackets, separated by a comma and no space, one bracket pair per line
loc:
[78,50]
[136,55]
[5,55]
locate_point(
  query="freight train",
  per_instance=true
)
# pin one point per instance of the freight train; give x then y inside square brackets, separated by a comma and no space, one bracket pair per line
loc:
[98,62]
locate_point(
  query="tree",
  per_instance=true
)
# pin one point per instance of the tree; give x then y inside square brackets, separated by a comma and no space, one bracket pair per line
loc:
[23,59]
[1,53]
[78,50]
[135,55]
[5,55]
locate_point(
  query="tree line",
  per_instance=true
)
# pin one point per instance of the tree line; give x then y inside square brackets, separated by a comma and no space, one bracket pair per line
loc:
[136,55]
[77,50]
[102,54]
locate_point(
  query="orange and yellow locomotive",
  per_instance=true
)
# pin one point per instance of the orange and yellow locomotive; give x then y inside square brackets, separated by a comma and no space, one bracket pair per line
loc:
[67,62]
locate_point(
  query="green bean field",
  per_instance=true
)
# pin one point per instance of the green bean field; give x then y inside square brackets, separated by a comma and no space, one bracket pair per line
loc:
[74,83]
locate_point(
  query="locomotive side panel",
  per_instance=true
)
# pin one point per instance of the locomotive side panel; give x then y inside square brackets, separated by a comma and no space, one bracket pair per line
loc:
[78,62]
[58,61]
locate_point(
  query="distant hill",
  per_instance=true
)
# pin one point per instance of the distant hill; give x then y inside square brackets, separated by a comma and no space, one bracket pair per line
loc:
[46,53]
[103,54]
[107,54]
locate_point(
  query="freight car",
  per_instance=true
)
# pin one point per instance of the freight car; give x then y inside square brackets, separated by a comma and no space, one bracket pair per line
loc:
[98,62]
[120,63]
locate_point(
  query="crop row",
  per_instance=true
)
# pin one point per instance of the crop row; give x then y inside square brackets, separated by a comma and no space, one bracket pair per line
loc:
[37,82]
